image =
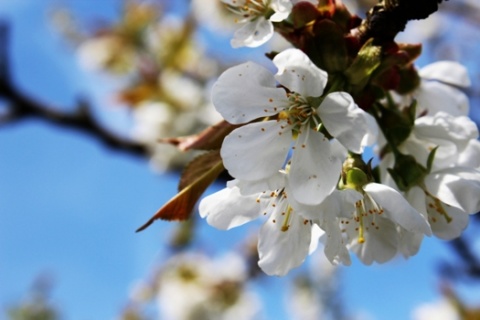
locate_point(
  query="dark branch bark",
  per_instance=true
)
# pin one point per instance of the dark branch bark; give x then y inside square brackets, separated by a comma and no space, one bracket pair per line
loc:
[23,107]
[389,17]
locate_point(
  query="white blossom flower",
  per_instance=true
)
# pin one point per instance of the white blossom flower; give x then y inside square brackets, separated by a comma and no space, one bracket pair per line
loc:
[439,310]
[439,89]
[448,196]
[367,222]
[184,93]
[214,15]
[286,237]
[257,151]
[452,135]
[154,120]
[256,17]
[106,52]
[193,286]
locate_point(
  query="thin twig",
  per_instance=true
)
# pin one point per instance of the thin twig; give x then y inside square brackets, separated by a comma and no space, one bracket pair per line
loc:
[23,107]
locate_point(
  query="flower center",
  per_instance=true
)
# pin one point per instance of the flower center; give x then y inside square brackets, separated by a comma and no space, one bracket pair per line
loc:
[249,10]
[299,113]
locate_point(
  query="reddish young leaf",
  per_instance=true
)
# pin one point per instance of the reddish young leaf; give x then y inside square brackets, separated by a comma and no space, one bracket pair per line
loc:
[200,174]
[197,167]
[209,139]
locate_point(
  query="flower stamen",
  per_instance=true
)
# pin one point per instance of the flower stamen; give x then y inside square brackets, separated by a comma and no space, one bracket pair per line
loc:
[360,208]
[299,113]
[438,207]
[250,10]
[286,225]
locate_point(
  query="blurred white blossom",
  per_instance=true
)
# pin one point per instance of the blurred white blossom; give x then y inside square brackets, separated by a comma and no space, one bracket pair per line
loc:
[438,310]
[192,286]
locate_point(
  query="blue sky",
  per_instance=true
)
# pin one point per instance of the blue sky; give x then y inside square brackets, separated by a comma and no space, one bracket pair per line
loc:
[69,207]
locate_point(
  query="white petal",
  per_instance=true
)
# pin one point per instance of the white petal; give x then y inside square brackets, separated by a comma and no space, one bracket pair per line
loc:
[280,251]
[397,208]
[275,182]
[227,208]
[371,135]
[445,156]
[417,199]
[338,150]
[282,9]
[247,92]
[346,122]
[434,97]
[409,242]
[256,151]
[316,234]
[253,33]
[450,134]
[458,129]
[314,173]
[470,156]
[380,244]
[299,74]
[234,3]
[450,72]
[457,187]
[451,228]
[316,212]
[335,247]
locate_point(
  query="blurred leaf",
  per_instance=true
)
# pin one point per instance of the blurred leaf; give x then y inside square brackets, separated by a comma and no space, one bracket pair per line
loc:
[197,167]
[200,174]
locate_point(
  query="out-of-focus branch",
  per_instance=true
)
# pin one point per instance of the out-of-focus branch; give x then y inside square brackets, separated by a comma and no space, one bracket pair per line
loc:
[467,267]
[22,106]
[389,17]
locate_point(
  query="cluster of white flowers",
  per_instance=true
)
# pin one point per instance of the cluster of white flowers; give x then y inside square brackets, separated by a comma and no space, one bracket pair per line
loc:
[164,71]
[295,159]
[194,286]
[449,192]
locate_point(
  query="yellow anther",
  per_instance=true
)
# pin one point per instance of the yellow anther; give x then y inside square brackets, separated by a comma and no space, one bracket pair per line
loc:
[283,115]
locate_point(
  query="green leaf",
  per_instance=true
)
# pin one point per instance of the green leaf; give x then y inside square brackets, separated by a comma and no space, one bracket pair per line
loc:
[200,174]
[365,63]
[431,157]
[407,172]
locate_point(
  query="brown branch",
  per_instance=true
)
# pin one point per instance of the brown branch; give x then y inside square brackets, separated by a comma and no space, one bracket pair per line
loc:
[389,17]
[23,107]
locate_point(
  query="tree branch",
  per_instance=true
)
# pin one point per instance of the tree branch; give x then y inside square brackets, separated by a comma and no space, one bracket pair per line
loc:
[389,17]
[22,107]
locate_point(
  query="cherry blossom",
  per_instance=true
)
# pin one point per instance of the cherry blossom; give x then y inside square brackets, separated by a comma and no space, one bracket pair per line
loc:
[206,282]
[452,135]
[439,89]
[369,222]
[256,17]
[448,197]
[292,116]
[286,237]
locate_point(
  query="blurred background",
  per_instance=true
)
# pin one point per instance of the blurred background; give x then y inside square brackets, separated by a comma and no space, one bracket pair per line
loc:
[86,90]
